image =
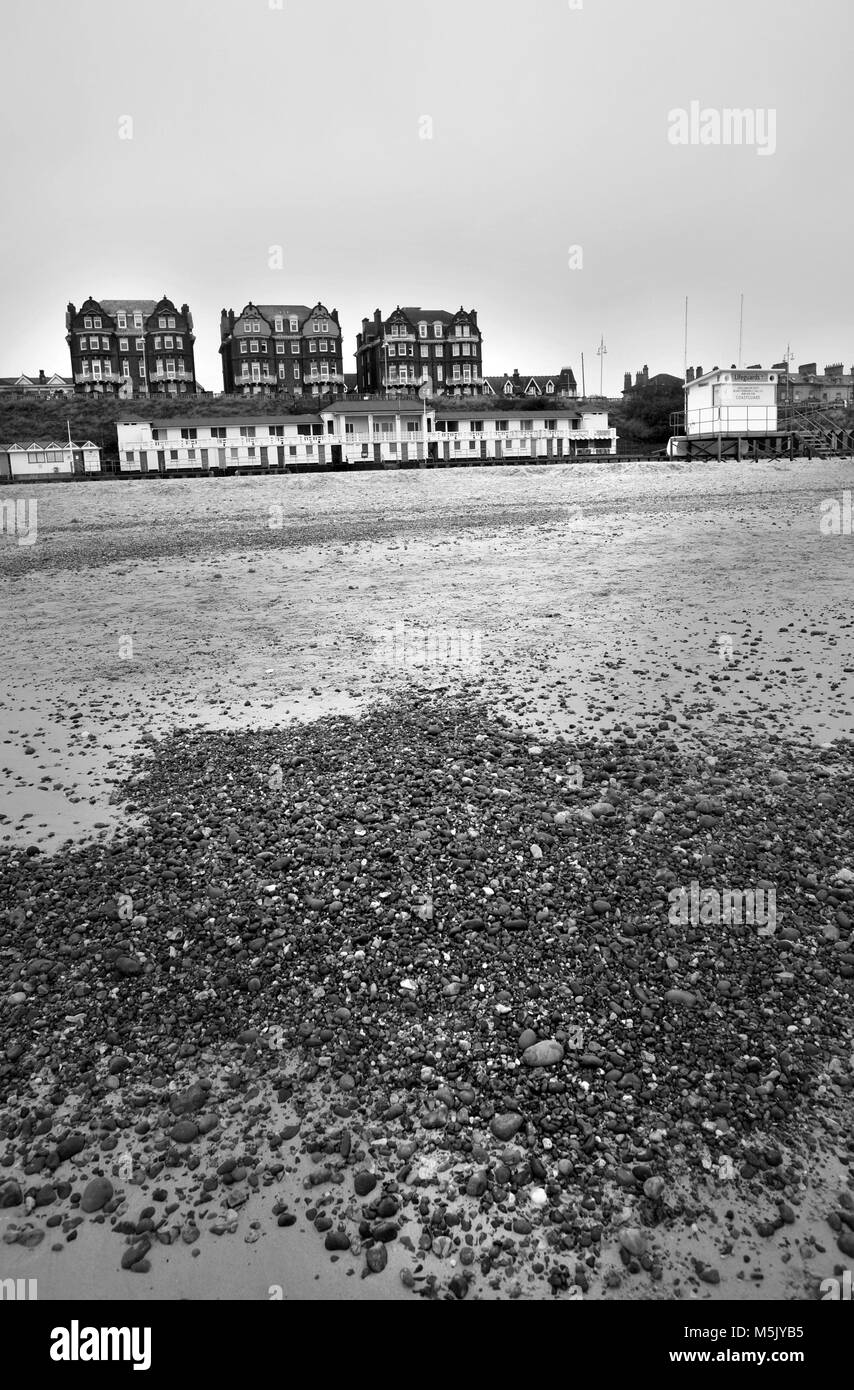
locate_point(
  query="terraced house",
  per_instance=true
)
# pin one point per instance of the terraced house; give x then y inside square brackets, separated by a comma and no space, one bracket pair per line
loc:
[415,347]
[282,349]
[131,347]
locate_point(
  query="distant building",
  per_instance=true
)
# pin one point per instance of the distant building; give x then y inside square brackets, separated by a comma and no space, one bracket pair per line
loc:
[415,347]
[560,384]
[282,349]
[661,381]
[46,458]
[38,386]
[131,347]
[834,387]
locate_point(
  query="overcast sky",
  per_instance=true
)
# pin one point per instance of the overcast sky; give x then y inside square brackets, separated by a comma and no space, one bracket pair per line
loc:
[256,126]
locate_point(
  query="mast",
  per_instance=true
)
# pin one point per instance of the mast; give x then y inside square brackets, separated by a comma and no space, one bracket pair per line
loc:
[740,331]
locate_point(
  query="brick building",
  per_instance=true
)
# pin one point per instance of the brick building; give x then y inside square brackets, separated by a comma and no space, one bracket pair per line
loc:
[414,346]
[131,347]
[282,349]
[834,387]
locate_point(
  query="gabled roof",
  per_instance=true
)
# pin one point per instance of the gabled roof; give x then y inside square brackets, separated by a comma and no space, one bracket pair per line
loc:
[44,445]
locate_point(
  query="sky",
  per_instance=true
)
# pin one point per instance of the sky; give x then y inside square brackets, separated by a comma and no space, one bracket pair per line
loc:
[516,158]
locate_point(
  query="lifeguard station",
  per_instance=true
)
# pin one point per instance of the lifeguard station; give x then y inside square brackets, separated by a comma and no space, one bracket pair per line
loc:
[736,413]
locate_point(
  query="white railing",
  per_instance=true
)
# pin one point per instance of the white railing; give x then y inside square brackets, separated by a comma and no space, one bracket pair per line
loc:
[732,419]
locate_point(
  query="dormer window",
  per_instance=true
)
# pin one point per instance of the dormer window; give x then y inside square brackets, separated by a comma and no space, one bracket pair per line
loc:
[122,320]
[508,388]
[87,322]
[161,323]
[137,320]
[294,325]
[279,325]
[171,323]
[422,330]
[96,323]
[437,328]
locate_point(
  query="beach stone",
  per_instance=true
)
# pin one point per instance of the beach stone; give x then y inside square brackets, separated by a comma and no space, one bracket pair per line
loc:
[184,1132]
[505,1126]
[680,996]
[70,1146]
[633,1240]
[96,1194]
[364,1183]
[376,1258]
[543,1054]
[188,1101]
[129,965]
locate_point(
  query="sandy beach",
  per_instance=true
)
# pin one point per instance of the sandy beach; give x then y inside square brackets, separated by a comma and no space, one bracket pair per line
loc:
[618,608]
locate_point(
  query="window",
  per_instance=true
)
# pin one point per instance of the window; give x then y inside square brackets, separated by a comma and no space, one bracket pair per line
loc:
[179,343]
[253,346]
[170,366]
[508,388]
[96,369]
[312,347]
[439,351]
[122,320]
[247,431]
[218,432]
[456,350]
[422,330]
[282,371]
[551,424]
[105,344]
[324,371]
[125,368]
[142,366]
[456,374]
[169,344]
[466,350]
[171,323]
[123,344]
[296,373]
[425,351]
[85,365]
[294,349]
[392,350]
[161,323]
[280,348]
[437,329]
[294,325]
[96,323]
[324,345]
[137,320]
[87,322]
[158,344]
[279,324]
[440,373]
[140,344]
[467,374]
[256,371]
[243,345]
[158,366]
[189,434]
